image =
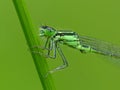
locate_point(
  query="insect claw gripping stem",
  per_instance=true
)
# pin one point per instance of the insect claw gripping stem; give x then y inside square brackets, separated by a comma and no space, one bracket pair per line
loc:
[43,48]
[49,72]
[46,56]
[38,53]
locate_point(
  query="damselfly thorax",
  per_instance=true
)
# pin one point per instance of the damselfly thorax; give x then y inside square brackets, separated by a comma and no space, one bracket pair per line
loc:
[67,37]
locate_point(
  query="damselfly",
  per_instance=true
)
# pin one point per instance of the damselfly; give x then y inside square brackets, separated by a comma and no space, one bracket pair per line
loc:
[72,39]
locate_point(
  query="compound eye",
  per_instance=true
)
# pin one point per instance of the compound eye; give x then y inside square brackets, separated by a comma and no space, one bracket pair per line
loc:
[49,28]
[45,27]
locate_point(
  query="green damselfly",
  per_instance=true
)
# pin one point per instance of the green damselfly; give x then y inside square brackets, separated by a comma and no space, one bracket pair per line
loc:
[82,43]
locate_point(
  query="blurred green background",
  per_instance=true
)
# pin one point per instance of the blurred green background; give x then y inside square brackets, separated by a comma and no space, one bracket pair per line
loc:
[96,18]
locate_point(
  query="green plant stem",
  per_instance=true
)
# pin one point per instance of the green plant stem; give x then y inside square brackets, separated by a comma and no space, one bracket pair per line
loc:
[32,40]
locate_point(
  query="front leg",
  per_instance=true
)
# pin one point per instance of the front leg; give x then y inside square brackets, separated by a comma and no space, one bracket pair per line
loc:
[45,47]
[52,47]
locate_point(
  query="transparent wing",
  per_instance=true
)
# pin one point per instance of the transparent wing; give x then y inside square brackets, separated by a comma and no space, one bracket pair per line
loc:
[100,47]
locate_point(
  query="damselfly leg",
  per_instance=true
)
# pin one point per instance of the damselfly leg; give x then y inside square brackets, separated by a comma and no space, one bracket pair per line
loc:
[65,63]
[50,47]
[45,47]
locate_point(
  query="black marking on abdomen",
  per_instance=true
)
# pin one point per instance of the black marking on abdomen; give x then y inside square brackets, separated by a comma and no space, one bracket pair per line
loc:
[85,46]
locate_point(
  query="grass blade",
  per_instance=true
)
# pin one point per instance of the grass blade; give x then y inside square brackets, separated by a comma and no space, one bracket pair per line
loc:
[32,40]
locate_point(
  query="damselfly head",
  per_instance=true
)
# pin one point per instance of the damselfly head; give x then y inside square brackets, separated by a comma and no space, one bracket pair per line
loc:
[47,31]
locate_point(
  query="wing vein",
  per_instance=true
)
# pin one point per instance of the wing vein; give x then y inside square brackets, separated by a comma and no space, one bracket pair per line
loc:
[100,46]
